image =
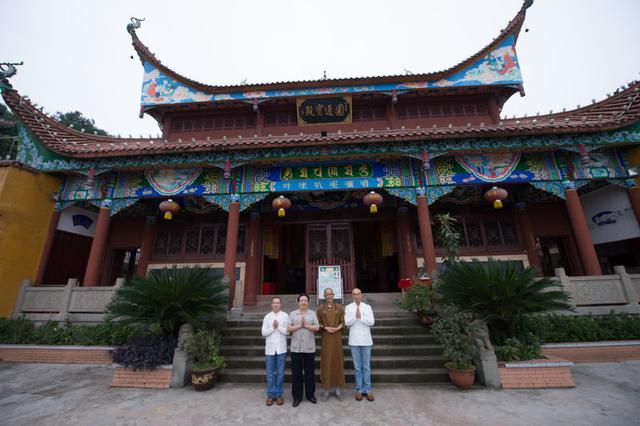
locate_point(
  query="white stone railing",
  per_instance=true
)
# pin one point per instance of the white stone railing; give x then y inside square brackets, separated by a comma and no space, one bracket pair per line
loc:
[63,303]
[600,295]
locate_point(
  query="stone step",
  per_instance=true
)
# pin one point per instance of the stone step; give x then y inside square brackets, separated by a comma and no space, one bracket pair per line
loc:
[377,350]
[377,361]
[375,331]
[259,315]
[380,375]
[411,320]
[258,340]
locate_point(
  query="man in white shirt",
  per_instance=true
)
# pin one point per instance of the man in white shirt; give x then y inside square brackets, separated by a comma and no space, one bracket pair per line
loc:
[274,328]
[358,316]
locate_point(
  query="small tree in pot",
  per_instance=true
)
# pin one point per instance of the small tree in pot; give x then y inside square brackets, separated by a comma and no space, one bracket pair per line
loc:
[203,350]
[418,299]
[454,331]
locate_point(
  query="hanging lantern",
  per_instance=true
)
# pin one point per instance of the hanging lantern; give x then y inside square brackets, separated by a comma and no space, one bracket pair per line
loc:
[372,200]
[496,195]
[169,208]
[281,204]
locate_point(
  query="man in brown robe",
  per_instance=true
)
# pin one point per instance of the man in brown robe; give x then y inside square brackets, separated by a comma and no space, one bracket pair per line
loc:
[331,319]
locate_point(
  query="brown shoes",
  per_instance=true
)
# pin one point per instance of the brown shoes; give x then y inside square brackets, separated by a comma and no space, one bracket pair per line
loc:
[269,402]
[370,396]
[279,400]
[358,396]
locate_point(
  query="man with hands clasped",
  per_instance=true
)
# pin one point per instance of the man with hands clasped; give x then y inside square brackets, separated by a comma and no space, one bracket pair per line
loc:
[303,324]
[274,329]
[358,316]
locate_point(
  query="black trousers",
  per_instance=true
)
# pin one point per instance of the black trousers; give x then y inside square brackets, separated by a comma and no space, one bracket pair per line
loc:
[303,362]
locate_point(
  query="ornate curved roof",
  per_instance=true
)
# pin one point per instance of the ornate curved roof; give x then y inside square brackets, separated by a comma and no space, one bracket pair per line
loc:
[495,64]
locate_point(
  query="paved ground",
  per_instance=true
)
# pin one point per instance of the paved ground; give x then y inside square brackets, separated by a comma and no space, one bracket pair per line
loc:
[53,394]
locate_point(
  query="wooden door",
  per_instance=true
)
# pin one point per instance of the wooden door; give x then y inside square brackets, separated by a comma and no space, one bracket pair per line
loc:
[329,244]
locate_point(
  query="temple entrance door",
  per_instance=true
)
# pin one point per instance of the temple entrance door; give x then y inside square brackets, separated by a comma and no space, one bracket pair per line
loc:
[330,244]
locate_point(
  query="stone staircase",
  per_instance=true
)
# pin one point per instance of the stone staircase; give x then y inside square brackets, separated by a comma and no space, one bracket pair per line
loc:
[403,351]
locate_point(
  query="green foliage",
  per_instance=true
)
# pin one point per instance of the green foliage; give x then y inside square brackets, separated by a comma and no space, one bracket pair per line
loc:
[146,352]
[557,328]
[449,237]
[515,349]
[203,349]
[417,298]
[79,122]
[454,330]
[23,331]
[169,298]
[497,292]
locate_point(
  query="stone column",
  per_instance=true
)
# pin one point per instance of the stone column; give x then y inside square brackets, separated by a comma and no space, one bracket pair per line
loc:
[98,248]
[409,255]
[529,239]
[634,199]
[426,236]
[148,236]
[46,249]
[587,251]
[252,277]
[231,248]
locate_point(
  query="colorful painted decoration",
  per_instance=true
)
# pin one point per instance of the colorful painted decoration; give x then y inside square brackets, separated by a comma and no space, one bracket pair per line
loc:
[500,66]
[489,167]
[496,195]
[169,208]
[281,204]
[171,181]
[372,200]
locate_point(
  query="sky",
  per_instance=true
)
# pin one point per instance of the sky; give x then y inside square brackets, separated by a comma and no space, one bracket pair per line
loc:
[77,54]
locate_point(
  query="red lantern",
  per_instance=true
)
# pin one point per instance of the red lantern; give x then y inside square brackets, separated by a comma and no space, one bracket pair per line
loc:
[496,195]
[372,200]
[281,204]
[169,208]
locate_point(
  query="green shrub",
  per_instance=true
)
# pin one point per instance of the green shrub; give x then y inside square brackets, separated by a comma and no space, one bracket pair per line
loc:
[497,292]
[417,298]
[557,328]
[515,349]
[203,349]
[23,331]
[454,331]
[165,300]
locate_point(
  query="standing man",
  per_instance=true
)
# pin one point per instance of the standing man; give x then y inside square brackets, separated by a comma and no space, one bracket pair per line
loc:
[358,316]
[274,328]
[331,319]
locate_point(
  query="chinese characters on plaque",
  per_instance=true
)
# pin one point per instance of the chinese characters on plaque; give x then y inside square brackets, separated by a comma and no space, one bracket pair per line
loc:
[333,110]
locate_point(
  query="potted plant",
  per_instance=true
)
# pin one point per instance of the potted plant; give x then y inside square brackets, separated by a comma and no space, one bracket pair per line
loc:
[454,331]
[203,350]
[418,299]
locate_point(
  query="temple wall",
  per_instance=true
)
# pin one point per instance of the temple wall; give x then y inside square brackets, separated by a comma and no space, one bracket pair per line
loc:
[26,207]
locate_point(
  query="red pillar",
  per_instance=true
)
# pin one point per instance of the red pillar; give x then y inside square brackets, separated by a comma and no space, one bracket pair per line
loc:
[426,236]
[253,261]
[148,236]
[46,249]
[526,229]
[634,199]
[98,247]
[231,248]
[409,255]
[581,234]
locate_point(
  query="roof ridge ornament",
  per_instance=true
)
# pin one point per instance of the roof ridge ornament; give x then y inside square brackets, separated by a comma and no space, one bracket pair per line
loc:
[134,25]
[8,69]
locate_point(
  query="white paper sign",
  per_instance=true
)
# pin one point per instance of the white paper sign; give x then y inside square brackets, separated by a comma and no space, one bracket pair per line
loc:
[78,221]
[609,215]
[329,277]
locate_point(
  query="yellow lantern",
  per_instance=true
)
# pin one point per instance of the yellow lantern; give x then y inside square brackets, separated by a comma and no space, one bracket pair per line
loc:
[169,208]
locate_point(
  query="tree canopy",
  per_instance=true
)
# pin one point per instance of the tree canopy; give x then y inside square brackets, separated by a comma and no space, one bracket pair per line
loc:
[76,120]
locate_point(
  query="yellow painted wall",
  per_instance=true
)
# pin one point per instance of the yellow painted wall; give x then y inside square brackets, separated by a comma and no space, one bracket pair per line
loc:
[633,159]
[25,211]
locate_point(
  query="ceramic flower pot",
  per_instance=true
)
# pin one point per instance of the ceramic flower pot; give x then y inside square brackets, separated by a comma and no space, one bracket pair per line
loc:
[203,379]
[463,379]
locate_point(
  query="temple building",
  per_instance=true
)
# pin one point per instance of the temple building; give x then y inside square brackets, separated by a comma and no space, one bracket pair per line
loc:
[267,182]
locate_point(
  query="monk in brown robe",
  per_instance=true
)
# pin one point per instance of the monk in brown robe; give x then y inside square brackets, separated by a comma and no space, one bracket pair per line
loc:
[331,319]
